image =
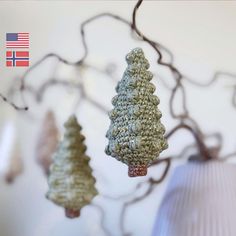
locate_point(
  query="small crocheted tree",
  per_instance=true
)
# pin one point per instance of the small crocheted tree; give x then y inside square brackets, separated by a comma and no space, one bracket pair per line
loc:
[136,135]
[47,142]
[71,184]
[15,166]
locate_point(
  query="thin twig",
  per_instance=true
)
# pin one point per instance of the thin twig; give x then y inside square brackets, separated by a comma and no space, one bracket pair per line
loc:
[151,185]
[19,108]
[102,212]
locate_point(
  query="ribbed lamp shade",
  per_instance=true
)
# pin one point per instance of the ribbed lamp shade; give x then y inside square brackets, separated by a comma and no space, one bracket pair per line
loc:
[200,201]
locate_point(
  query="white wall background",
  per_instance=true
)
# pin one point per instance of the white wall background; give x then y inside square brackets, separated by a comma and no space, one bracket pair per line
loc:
[201,34]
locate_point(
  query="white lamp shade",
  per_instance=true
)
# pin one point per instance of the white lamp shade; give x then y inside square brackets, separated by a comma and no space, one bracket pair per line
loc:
[200,201]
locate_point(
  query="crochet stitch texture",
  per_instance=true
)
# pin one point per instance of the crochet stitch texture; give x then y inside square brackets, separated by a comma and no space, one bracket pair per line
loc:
[71,184]
[136,134]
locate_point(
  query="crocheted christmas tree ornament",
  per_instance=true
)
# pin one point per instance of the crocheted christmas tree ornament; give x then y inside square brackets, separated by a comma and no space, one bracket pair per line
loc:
[47,142]
[136,135]
[71,184]
[15,166]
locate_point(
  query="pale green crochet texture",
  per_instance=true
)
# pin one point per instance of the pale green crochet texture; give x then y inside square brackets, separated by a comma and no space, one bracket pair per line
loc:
[136,134]
[71,183]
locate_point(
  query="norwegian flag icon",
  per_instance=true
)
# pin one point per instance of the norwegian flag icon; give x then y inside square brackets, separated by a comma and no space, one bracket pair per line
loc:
[17,58]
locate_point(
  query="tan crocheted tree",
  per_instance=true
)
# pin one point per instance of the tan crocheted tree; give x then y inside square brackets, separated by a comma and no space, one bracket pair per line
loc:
[136,134]
[47,142]
[15,166]
[71,184]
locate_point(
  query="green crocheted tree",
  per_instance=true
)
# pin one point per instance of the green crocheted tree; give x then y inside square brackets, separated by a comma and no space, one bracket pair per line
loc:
[136,134]
[71,184]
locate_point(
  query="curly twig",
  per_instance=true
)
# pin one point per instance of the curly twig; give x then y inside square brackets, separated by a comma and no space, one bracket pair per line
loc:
[5,99]
[102,212]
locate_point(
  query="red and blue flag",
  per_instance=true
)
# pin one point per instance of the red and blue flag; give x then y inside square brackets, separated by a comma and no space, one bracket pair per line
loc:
[17,40]
[17,58]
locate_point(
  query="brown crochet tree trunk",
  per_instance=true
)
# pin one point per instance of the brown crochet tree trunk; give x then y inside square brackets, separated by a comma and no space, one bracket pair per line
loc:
[140,170]
[70,213]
